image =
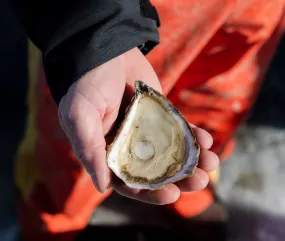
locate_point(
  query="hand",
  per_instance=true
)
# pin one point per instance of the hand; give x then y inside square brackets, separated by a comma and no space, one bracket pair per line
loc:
[89,110]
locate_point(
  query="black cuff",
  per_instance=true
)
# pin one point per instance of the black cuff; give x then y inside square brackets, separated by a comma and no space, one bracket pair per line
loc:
[98,44]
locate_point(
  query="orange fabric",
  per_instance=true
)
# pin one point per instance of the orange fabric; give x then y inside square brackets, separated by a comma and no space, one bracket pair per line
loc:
[63,197]
[212,58]
[211,62]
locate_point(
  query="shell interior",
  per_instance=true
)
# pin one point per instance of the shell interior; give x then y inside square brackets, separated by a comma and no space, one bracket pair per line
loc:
[155,145]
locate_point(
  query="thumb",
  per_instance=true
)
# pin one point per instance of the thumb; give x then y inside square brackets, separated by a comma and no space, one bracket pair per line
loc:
[83,125]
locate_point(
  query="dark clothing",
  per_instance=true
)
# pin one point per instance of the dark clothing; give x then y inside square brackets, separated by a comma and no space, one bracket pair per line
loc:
[76,36]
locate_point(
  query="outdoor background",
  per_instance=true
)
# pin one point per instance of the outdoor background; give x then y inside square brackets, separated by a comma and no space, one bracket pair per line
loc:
[253,180]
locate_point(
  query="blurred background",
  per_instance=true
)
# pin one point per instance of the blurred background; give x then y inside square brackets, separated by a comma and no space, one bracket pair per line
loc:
[252,184]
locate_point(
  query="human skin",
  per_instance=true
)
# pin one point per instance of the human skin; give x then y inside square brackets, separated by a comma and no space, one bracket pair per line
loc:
[88,111]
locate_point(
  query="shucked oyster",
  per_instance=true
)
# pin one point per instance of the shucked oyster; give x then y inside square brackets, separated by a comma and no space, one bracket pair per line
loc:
[154,145]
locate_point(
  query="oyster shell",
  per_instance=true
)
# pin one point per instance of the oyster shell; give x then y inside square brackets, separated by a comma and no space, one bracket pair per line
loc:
[155,145]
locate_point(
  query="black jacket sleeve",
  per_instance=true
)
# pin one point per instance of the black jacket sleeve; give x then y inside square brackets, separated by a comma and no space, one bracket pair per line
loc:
[76,36]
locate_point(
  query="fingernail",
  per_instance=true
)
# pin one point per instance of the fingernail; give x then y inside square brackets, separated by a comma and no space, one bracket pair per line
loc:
[105,189]
[100,189]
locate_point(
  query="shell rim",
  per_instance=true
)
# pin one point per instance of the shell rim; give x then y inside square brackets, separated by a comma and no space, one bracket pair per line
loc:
[141,90]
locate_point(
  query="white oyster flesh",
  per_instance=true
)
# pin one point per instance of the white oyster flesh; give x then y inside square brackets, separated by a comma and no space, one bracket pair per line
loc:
[155,145]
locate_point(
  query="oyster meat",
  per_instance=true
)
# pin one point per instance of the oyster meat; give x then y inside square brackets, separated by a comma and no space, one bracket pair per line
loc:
[154,145]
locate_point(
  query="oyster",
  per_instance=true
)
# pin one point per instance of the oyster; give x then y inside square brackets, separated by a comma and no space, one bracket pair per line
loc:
[155,145]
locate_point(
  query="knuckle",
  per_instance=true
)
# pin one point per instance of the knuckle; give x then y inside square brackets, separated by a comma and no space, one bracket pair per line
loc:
[67,111]
[62,118]
[72,113]
[82,154]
